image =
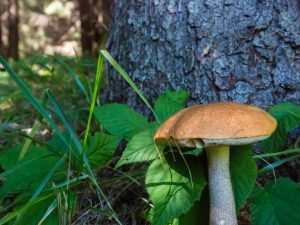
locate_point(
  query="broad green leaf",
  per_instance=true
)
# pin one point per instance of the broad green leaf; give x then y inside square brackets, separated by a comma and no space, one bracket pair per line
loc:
[58,144]
[243,172]
[28,177]
[199,213]
[288,117]
[120,120]
[169,103]
[140,148]
[102,149]
[171,189]
[276,204]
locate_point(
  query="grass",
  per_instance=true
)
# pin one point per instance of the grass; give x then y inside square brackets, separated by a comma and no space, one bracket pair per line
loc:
[43,70]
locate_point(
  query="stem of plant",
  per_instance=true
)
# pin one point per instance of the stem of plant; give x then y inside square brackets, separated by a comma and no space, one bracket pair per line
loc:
[222,206]
[268,155]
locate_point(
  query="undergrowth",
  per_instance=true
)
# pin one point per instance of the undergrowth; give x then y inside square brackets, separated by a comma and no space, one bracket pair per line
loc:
[61,162]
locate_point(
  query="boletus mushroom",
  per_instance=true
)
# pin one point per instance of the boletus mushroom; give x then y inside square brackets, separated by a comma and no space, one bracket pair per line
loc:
[216,127]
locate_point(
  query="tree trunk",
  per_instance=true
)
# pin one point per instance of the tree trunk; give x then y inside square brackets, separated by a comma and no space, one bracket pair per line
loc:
[246,51]
[94,17]
[3,18]
[13,28]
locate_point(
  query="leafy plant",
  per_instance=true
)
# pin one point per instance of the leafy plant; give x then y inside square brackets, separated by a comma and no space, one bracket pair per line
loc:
[40,178]
[175,191]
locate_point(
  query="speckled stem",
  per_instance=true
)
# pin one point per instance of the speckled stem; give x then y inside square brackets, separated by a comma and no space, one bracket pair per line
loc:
[222,206]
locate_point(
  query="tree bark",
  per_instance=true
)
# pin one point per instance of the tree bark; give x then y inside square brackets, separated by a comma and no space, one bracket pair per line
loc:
[246,51]
[13,28]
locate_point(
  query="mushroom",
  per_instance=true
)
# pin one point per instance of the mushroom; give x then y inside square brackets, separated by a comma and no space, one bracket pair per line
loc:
[216,127]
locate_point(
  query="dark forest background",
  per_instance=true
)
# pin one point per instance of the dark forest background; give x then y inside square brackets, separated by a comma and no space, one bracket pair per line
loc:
[53,27]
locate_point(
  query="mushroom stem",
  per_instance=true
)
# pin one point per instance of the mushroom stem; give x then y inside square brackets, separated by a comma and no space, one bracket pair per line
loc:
[222,206]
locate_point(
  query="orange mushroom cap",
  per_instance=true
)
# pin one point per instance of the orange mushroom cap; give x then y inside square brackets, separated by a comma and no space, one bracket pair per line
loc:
[216,124]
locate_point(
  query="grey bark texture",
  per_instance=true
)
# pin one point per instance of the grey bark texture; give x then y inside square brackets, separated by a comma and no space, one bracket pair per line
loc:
[246,51]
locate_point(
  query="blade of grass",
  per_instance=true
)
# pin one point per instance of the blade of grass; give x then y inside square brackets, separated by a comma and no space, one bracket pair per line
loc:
[95,92]
[35,128]
[272,166]
[67,183]
[42,185]
[75,77]
[47,178]
[84,76]
[50,209]
[73,135]
[19,211]
[20,165]
[123,73]
[274,154]
[62,117]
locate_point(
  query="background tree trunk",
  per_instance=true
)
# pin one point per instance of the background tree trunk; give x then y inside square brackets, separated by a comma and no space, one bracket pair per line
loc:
[94,17]
[3,10]
[246,51]
[13,29]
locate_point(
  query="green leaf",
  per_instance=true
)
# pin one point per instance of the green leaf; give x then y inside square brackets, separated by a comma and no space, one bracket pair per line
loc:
[243,172]
[288,117]
[171,189]
[29,176]
[120,120]
[169,103]
[276,204]
[140,148]
[102,149]
[199,213]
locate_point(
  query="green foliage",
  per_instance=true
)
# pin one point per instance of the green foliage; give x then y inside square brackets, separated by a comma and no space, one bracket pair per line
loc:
[35,213]
[120,120]
[37,164]
[140,148]
[288,117]
[276,204]
[169,103]
[23,209]
[102,149]
[243,173]
[171,189]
